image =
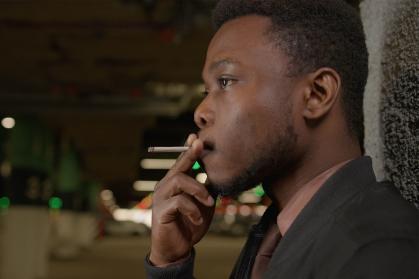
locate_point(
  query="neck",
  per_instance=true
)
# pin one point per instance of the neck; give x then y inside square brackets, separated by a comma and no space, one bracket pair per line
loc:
[314,162]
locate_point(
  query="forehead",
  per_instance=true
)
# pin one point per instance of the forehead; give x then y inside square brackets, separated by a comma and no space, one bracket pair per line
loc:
[244,41]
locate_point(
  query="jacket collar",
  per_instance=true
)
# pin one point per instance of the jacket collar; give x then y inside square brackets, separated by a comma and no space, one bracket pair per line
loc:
[340,187]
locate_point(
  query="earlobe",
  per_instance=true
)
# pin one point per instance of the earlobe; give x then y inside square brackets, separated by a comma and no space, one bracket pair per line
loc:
[321,93]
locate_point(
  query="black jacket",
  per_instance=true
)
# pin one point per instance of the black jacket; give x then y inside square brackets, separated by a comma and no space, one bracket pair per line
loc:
[353,227]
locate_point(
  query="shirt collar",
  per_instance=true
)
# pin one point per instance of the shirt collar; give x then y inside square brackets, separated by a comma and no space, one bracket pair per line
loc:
[288,214]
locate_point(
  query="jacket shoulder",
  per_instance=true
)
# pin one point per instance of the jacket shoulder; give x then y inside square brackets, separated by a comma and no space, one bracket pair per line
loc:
[371,225]
[378,212]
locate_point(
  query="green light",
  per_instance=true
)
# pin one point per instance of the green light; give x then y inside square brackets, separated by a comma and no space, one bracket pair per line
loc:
[55,203]
[4,203]
[196,166]
[258,190]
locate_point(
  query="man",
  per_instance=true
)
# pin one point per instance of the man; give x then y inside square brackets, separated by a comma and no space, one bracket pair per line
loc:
[284,87]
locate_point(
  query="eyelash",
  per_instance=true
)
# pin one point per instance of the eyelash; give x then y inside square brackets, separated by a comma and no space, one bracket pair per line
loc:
[220,81]
[228,82]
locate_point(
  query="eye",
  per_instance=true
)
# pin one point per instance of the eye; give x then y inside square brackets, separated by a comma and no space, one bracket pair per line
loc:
[225,82]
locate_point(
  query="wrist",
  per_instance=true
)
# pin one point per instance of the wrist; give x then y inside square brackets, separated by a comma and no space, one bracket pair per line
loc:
[157,261]
[182,270]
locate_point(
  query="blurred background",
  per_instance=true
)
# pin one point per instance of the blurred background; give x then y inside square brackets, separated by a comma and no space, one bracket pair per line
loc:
[85,87]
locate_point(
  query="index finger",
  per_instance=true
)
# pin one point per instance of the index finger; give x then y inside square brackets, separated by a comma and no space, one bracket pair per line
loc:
[188,158]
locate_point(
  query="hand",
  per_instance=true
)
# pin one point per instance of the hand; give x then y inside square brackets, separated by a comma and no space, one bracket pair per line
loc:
[182,209]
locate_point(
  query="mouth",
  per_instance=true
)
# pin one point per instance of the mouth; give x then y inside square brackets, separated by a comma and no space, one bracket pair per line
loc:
[208,148]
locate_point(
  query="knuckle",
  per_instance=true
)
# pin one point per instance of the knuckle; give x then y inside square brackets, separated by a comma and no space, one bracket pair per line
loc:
[176,183]
[195,192]
[177,202]
[176,179]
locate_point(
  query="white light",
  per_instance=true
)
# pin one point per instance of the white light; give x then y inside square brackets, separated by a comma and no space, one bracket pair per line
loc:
[249,197]
[199,89]
[231,209]
[106,195]
[201,177]
[245,210]
[139,216]
[145,185]
[260,209]
[8,122]
[122,214]
[6,169]
[113,207]
[109,203]
[157,164]
[229,219]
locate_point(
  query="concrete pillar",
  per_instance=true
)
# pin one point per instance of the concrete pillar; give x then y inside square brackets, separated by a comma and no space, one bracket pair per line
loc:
[2,214]
[64,242]
[87,229]
[24,250]
[375,14]
[41,247]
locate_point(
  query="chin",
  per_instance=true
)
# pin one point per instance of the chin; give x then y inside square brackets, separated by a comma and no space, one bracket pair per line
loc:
[230,179]
[233,186]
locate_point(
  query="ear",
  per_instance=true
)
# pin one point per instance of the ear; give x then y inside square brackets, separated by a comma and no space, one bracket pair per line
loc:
[322,93]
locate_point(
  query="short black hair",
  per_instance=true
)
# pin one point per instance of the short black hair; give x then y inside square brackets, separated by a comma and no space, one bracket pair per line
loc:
[315,34]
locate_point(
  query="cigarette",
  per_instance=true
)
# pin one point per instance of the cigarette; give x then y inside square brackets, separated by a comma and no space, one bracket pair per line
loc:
[168,148]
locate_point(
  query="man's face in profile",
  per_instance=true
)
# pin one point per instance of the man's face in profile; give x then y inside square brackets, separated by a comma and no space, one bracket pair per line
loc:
[247,119]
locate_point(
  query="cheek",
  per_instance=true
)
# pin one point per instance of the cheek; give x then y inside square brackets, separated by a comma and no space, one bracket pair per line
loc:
[232,135]
[243,131]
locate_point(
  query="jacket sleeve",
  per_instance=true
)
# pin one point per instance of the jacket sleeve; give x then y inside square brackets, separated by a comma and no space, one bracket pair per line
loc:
[182,270]
[384,259]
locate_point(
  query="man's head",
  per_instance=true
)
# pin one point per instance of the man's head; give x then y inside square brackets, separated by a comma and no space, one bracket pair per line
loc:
[275,73]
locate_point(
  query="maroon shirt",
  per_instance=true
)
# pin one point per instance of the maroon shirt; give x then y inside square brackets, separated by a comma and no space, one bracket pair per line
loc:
[286,217]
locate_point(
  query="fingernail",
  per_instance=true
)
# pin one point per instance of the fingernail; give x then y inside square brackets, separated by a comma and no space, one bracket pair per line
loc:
[189,140]
[194,144]
[210,201]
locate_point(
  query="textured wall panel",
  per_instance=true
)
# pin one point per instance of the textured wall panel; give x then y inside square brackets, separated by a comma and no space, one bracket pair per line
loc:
[374,15]
[400,100]
[391,95]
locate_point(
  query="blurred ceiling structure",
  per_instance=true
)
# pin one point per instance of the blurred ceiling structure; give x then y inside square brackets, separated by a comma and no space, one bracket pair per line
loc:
[111,75]
[101,71]
[129,56]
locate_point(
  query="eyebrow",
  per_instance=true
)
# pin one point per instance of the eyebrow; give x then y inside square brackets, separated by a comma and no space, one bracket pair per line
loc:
[222,62]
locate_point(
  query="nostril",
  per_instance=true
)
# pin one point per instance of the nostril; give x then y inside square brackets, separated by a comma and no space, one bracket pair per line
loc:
[204,115]
[203,121]
[200,120]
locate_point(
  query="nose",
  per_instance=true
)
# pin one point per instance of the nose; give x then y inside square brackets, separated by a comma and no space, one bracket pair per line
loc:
[204,115]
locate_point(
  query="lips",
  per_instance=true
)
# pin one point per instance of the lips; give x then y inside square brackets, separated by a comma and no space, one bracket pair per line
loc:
[208,145]
[206,159]
[208,148]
